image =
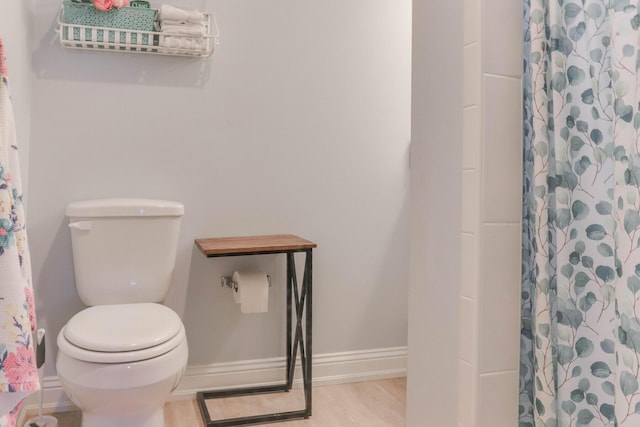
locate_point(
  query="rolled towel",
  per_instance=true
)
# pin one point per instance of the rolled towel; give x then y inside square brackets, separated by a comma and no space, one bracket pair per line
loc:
[175,22]
[189,43]
[170,13]
[190,30]
[182,24]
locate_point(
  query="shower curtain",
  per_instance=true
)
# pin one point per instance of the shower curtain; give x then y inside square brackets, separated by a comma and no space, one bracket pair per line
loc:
[18,372]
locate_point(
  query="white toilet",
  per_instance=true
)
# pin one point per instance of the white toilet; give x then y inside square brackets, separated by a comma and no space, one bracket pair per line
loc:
[119,359]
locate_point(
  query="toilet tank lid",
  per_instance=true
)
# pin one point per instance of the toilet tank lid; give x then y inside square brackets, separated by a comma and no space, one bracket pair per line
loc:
[124,207]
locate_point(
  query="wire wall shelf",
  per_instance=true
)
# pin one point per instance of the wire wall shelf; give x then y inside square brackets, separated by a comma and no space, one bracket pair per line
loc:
[76,36]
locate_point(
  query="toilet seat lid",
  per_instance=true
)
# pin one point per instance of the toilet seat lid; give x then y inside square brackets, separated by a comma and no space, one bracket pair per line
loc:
[122,327]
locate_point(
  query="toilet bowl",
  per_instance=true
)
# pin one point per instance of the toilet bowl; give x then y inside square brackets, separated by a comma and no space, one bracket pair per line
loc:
[119,363]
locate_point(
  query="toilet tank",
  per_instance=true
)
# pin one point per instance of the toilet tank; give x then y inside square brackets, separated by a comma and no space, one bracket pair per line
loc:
[124,250]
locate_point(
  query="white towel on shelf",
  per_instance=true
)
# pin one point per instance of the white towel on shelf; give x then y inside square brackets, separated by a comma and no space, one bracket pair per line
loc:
[183,24]
[190,30]
[188,43]
[170,13]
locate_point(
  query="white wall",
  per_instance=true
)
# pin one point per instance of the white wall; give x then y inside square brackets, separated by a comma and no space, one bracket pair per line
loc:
[436,160]
[492,210]
[15,30]
[299,123]
[469,80]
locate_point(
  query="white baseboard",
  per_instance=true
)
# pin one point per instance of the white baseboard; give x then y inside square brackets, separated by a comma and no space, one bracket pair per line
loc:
[327,369]
[332,368]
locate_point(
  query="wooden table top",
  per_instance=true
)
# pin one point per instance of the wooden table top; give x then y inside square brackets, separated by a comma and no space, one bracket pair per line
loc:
[219,246]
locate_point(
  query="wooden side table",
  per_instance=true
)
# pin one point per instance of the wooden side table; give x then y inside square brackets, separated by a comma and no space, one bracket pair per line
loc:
[296,340]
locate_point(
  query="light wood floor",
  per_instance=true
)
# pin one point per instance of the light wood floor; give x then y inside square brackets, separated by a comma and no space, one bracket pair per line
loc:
[366,404]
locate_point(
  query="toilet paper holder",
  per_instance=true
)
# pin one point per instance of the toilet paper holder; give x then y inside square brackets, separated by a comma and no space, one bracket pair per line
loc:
[227,281]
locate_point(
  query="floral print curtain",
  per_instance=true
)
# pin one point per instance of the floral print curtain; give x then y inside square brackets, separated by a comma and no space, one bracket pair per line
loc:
[18,372]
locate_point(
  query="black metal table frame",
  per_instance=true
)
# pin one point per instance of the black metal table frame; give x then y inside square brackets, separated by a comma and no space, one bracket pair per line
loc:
[303,307]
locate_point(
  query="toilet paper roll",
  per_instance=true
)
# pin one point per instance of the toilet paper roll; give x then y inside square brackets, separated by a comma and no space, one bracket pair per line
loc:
[253,291]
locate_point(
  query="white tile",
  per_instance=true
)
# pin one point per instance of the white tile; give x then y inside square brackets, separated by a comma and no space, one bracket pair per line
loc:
[472,75]
[502,150]
[498,400]
[466,393]
[471,21]
[499,298]
[502,38]
[469,266]
[468,330]
[472,138]
[470,201]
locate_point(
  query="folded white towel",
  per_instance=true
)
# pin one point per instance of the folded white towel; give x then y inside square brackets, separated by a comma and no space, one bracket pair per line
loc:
[170,13]
[183,24]
[190,30]
[189,43]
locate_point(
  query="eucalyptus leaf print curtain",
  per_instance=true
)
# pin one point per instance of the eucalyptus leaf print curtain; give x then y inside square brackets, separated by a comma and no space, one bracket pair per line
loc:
[580,346]
[18,372]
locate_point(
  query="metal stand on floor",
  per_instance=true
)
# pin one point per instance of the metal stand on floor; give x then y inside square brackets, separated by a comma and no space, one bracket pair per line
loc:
[41,420]
[299,302]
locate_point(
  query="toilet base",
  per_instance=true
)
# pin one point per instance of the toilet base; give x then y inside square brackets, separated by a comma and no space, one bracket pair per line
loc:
[122,394]
[145,419]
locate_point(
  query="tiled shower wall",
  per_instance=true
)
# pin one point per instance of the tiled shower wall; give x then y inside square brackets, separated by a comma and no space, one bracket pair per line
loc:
[491,214]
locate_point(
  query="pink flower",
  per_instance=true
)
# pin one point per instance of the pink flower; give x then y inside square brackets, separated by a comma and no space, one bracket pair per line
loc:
[103,4]
[120,3]
[3,65]
[31,309]
[20,369]
[12,417]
